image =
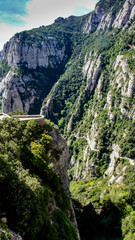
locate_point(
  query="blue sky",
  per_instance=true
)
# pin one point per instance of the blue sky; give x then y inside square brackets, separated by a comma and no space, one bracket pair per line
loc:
[18,15]
[11,12]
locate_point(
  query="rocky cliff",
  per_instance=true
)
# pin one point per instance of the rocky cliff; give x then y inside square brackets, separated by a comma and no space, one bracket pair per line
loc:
[109,15]
[35,65]
[46,53]
[15,95]
[38,57]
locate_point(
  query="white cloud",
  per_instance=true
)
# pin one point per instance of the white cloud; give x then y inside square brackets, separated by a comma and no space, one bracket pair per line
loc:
[6,32]
[44,12]
[41,12]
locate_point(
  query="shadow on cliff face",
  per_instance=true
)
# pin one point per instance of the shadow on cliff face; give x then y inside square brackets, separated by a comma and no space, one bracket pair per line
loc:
[98,226]
[42,80]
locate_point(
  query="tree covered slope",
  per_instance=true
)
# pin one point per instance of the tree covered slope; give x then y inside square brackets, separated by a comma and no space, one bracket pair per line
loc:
[34,194]
[93,103]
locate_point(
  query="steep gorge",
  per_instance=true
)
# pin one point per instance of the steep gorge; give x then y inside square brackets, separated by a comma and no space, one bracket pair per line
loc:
[88,63]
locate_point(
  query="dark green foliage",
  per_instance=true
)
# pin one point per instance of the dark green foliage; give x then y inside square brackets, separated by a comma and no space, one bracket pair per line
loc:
[127,144]
[27,181]
[110,221]
[78,147]
[4,68]
[87,220]
[128,227]
[17,112]
[72,83]
[74,105]
[62,30]
[130,183]
[65,229]
[105,217]
[70,91]
[96,226]
[116,5]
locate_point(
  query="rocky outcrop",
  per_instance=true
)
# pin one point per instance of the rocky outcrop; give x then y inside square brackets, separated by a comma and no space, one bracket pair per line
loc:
[122,75]
[92,70]
[51,180]
[122,82]
[46,53]
[35,67]
[48,106]
[125,14]
[94,20]
[113,156]
[14,236]
[109,18]
[60,148]
[9,234]
[106,21]
[17,92]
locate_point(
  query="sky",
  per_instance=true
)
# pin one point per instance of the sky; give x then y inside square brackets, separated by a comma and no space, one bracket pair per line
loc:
[19,15]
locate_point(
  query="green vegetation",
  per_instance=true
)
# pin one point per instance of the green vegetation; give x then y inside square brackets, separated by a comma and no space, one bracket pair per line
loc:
[4,68]
[93,104]
[17,112]
[110,209]
[127,144]
[93,121]
[28,182]
[114,5]
[66,229]
[4,233]
[62,30]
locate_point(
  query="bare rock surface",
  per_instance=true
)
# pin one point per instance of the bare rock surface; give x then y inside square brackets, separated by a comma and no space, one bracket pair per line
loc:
[107,19]
[47,53]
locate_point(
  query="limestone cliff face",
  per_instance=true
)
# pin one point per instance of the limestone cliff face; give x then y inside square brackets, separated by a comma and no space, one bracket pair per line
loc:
[125,15]
[47,53]
[92,70]
[35,67]
[40,64]
[16,93]
[60,148]
[109,18]
[121,67]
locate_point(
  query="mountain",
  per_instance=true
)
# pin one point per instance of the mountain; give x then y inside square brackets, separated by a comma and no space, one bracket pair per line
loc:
[111,14]
[32,61]
[79,72]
